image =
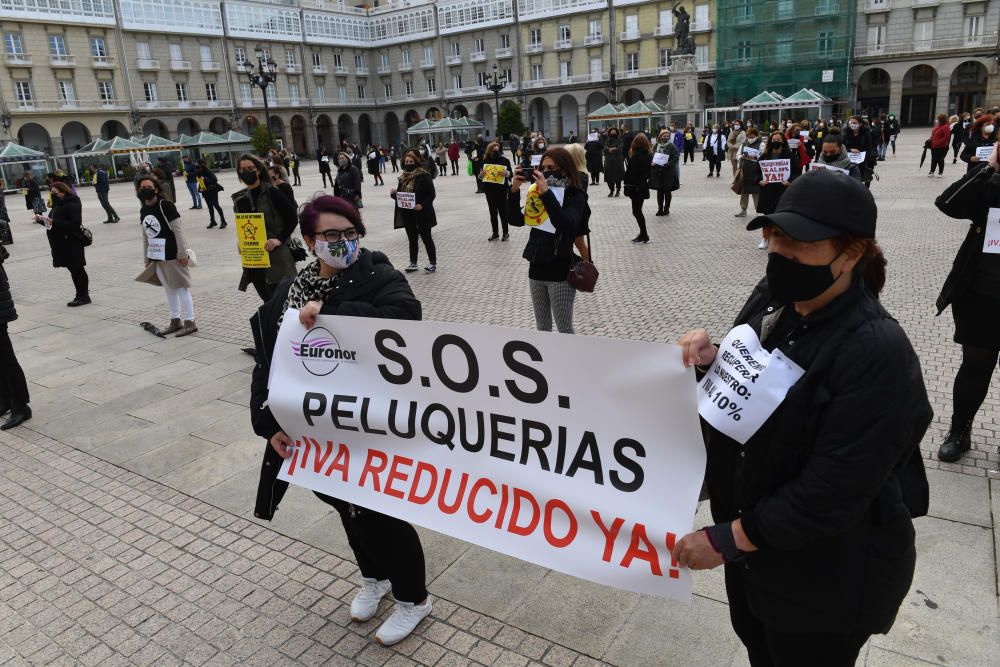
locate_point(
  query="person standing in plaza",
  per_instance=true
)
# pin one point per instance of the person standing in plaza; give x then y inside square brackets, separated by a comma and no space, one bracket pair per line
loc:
[191,179]
[834,154]
[496,193]
[550,255]
[164,252]
[348,183]
[812,512]
[614,162]
[959,131]
[441,156]
[454,151]
[373,158]
[345,279]
[771,192]
[972,290]
[259,196]
[983,133]
[14,396]
[749,172]
[418,217]
[32,194]
[637,182]
[663,171]
[593,150]
[294,162]
[102,187]
[64,229]
[737,137]
[715,150]
[279,179]
[938,142]
[690,137]
[164,173]
[210,192]
[323,159]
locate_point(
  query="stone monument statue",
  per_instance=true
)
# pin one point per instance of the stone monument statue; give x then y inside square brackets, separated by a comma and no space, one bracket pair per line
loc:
[685,43]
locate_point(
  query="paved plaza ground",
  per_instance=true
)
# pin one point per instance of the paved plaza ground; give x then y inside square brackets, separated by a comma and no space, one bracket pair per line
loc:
[127,532]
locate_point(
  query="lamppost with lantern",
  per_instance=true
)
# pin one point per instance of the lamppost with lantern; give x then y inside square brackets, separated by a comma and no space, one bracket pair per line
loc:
[262,76]
[6,120]
[496,82]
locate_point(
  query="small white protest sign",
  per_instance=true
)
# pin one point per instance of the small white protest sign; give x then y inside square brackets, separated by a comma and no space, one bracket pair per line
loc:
[984,153]
[857,158]
[991,239]
[407,200]
[660,159]
[776,171]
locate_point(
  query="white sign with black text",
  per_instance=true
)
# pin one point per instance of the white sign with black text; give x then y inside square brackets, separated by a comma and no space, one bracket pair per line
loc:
[991,239]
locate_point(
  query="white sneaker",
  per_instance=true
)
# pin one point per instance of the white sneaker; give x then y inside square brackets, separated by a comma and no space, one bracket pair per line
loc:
[940,175]
[365,603]
[403,621]
[762,245]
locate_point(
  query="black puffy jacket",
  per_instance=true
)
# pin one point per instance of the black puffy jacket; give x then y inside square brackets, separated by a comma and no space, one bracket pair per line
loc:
[370,287]
[820,488]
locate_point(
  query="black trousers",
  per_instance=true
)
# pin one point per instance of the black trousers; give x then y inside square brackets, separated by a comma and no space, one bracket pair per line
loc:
[663,199]
[258,278]
[496,200]
[298,179]
[688,153]
[769,648]
[108,208]
[385,548]
[13,386]
[212,199]
[714,164]
[81,281]
[421,231]
[326,175]
[454,167]
[640,219]
[937,159]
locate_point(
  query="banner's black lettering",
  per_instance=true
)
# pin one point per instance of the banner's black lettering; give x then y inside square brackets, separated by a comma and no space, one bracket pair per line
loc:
[537,444]
[337,413]
[441,437]
[406,370]
[411,425]
[308,411]
[631,465]
[587,444]
[541,390]
[365,402]
[463,429]
[498,435]
[437,350]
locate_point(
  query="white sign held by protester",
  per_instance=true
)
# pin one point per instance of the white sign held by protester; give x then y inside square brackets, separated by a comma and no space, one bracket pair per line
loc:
[660,159]
[991,239]
[984,153]
[744,385]
[407,200]
[750,152]
[776,171]
[857,158]
[829,167]
[793,144]
[592,136]
[156,250]
[536,159]
[500,437]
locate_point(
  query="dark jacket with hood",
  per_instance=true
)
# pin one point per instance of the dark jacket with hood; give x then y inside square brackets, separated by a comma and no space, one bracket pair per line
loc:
[969,198]
[826,487]
[370,287]
[550,256]
[64,237]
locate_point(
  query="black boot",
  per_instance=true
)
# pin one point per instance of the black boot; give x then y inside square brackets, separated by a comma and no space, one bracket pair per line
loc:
[958,442]
[79,301]
[18,416]
[4,408]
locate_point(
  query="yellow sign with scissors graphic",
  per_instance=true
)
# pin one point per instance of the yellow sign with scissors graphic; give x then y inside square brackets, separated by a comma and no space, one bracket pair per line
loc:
[494,173]
[252,236]
[535,214]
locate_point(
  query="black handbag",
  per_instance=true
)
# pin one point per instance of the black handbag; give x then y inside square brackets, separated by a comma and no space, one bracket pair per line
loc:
[583,275]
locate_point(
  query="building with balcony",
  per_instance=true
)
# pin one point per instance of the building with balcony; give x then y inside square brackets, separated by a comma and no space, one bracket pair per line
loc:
[918,58]
[172,67]
[784,46]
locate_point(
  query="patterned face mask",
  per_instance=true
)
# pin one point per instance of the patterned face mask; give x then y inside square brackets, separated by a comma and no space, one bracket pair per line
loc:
[338,255]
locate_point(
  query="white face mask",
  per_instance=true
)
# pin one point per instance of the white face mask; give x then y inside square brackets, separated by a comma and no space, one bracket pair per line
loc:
[853,126]
[338,255]
[989,128]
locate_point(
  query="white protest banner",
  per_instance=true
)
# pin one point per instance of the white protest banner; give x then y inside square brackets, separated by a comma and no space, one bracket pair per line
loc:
[991,239]
[660,159]
[500,437]
[750,152]
[776,171]
[325,158]
[829,167]
[536,159]
[592,136]
[857,158]
[156,249]
[804,134]
[984,153]
[407,200]
[793,144]
[745,384]
[535,214]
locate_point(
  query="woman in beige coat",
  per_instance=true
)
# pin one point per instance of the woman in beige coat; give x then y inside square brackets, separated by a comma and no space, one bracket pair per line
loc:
[164,250]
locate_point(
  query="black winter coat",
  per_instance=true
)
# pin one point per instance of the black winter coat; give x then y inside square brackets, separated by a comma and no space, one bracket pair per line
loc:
[665,177]
[7,310]
[637,174]
[551,255]
[64,237]
[969,198]
[370,287]
[969,152]
[594,150]
[424,189]
[820,487]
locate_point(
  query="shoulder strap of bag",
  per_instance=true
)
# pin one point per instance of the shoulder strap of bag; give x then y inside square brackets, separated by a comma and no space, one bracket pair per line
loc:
[165,217]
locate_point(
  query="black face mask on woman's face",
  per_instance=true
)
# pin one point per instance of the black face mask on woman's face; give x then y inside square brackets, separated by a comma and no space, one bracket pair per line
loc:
[409,166]
[793,282]
[249,177]
[145,194]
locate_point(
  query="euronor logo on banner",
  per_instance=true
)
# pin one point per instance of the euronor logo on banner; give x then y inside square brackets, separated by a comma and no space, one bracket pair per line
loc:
[583,455]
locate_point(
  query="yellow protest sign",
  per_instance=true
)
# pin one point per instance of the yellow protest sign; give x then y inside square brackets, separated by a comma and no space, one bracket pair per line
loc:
[535,214]
[252,237]
[494,173]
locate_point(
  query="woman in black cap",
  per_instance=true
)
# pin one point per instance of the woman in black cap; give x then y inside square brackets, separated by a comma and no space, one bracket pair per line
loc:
[971,289]
[813,510]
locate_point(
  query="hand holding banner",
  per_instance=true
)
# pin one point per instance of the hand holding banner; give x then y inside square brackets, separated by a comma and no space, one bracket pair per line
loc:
[500,437]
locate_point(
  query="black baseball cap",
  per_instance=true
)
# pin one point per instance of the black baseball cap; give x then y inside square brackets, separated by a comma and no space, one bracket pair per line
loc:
[821,204]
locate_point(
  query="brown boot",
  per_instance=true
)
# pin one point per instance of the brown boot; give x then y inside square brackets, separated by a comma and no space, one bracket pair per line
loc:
[175,325]
[189,328]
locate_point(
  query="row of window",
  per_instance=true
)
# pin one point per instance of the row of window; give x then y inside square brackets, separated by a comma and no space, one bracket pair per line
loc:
[13,45]
[24,95]
[923,31]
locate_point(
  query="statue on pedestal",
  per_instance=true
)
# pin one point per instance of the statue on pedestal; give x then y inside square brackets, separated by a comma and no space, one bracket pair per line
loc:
[685,43]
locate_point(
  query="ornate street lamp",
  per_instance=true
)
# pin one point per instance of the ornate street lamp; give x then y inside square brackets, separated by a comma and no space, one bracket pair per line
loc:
[262,76]
[496,82]
[6,120]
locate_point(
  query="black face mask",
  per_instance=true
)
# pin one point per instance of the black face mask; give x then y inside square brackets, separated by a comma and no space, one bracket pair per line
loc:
[145,194]
[249,177]
[548,173]
[409,167]
[792,282]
